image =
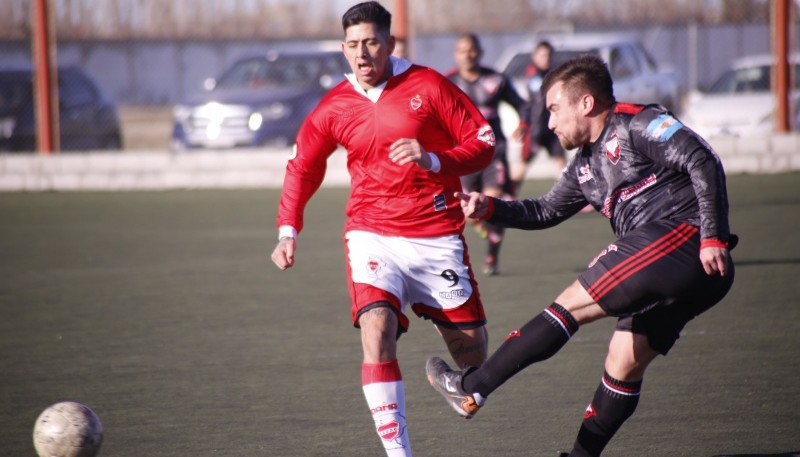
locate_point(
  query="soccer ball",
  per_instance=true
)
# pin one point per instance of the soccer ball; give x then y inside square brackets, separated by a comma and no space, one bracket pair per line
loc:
[67,429]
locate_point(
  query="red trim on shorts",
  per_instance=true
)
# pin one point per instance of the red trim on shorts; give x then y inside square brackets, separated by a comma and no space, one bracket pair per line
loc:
[637,262]
[468,315]
[364,295]
[380,372]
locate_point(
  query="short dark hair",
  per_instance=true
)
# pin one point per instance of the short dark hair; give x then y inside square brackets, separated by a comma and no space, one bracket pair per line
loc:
[544,44]
[371,13]
[472,38]
[585,73]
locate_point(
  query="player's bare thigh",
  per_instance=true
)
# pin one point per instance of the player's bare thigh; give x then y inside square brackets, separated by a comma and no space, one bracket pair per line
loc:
[580,304]
[379,334]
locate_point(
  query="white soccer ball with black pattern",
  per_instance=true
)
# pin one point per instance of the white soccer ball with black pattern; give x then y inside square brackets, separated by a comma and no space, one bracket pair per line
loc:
[67,429]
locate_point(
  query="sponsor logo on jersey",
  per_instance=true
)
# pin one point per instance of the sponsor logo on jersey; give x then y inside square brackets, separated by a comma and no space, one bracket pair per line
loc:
[612,148]
[389,431]
[486,134]
[416,102]
[439,202]
[630,191]
[626,194]
[584,174]
[663,127]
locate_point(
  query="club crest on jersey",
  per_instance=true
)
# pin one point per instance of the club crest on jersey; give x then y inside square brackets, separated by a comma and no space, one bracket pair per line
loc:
[490,84]
[486,134]
[416,102]
[584,174]
[663,127]
[612,148]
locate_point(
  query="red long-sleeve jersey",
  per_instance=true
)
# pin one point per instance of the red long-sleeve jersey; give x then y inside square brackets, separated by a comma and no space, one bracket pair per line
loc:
[387,198]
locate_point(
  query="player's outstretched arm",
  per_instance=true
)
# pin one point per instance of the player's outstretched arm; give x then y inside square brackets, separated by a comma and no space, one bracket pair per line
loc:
[283,255]
[474,205]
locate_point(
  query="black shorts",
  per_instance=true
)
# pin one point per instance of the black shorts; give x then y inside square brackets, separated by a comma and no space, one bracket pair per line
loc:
[496,174]
[652,279]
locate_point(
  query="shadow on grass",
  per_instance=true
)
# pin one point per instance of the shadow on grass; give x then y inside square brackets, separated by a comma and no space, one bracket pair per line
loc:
[783,454]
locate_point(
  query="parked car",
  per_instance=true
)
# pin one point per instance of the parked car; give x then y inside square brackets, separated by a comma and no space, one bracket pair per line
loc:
[87,118]
[740,102]
[637,78]
[259,100]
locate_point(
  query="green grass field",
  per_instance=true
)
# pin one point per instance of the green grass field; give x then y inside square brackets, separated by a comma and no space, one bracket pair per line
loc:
[163,312]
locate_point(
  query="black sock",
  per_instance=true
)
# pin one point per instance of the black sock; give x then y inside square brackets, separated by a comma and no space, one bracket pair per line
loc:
[613,403]
[495,239]
[535,341]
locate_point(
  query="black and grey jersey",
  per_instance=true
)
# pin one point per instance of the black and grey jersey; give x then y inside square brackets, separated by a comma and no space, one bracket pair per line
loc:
[487,92]
[645,166]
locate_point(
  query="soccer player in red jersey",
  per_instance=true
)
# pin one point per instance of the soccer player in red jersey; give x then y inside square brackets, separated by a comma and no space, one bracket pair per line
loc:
[663,189]
[409,134]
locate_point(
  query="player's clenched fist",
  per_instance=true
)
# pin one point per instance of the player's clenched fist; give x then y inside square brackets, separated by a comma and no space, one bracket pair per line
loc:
[474,205]
[407,150]
[283,255]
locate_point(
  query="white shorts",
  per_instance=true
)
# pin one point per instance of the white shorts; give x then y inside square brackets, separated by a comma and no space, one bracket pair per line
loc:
[432,275]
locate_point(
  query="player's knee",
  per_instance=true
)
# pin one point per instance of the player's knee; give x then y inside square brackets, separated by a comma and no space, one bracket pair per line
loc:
[628,357]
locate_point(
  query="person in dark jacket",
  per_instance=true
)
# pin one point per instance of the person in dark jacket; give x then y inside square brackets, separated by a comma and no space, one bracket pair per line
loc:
[538,136]
[487,88]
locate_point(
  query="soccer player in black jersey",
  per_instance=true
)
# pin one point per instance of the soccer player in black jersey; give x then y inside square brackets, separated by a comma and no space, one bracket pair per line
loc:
[487,88]
[663,190]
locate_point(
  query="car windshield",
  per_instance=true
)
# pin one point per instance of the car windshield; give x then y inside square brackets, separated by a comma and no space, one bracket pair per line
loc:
[751,79]
[276,71]
[518,64]
[15,93]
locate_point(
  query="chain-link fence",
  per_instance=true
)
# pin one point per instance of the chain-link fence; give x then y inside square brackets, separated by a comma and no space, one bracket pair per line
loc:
[134,72]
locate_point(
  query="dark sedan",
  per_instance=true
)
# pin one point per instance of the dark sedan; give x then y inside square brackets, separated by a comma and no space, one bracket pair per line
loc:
[260,100]
[87,119]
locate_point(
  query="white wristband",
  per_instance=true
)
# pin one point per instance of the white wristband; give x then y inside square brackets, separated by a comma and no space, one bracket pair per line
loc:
[285,231]
[436,165]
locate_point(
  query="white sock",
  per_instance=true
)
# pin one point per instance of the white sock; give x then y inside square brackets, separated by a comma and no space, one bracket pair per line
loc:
[385,393]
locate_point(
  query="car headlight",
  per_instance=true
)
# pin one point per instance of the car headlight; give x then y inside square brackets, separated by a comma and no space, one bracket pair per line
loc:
[272,112]
[7,127]
[254,121]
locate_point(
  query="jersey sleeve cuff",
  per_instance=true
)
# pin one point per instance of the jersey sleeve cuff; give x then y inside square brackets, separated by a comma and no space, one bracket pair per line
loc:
[713,243]
[286,231]
[489,211]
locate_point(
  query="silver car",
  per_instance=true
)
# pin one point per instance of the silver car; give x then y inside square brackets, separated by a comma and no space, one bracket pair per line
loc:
[741,103]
